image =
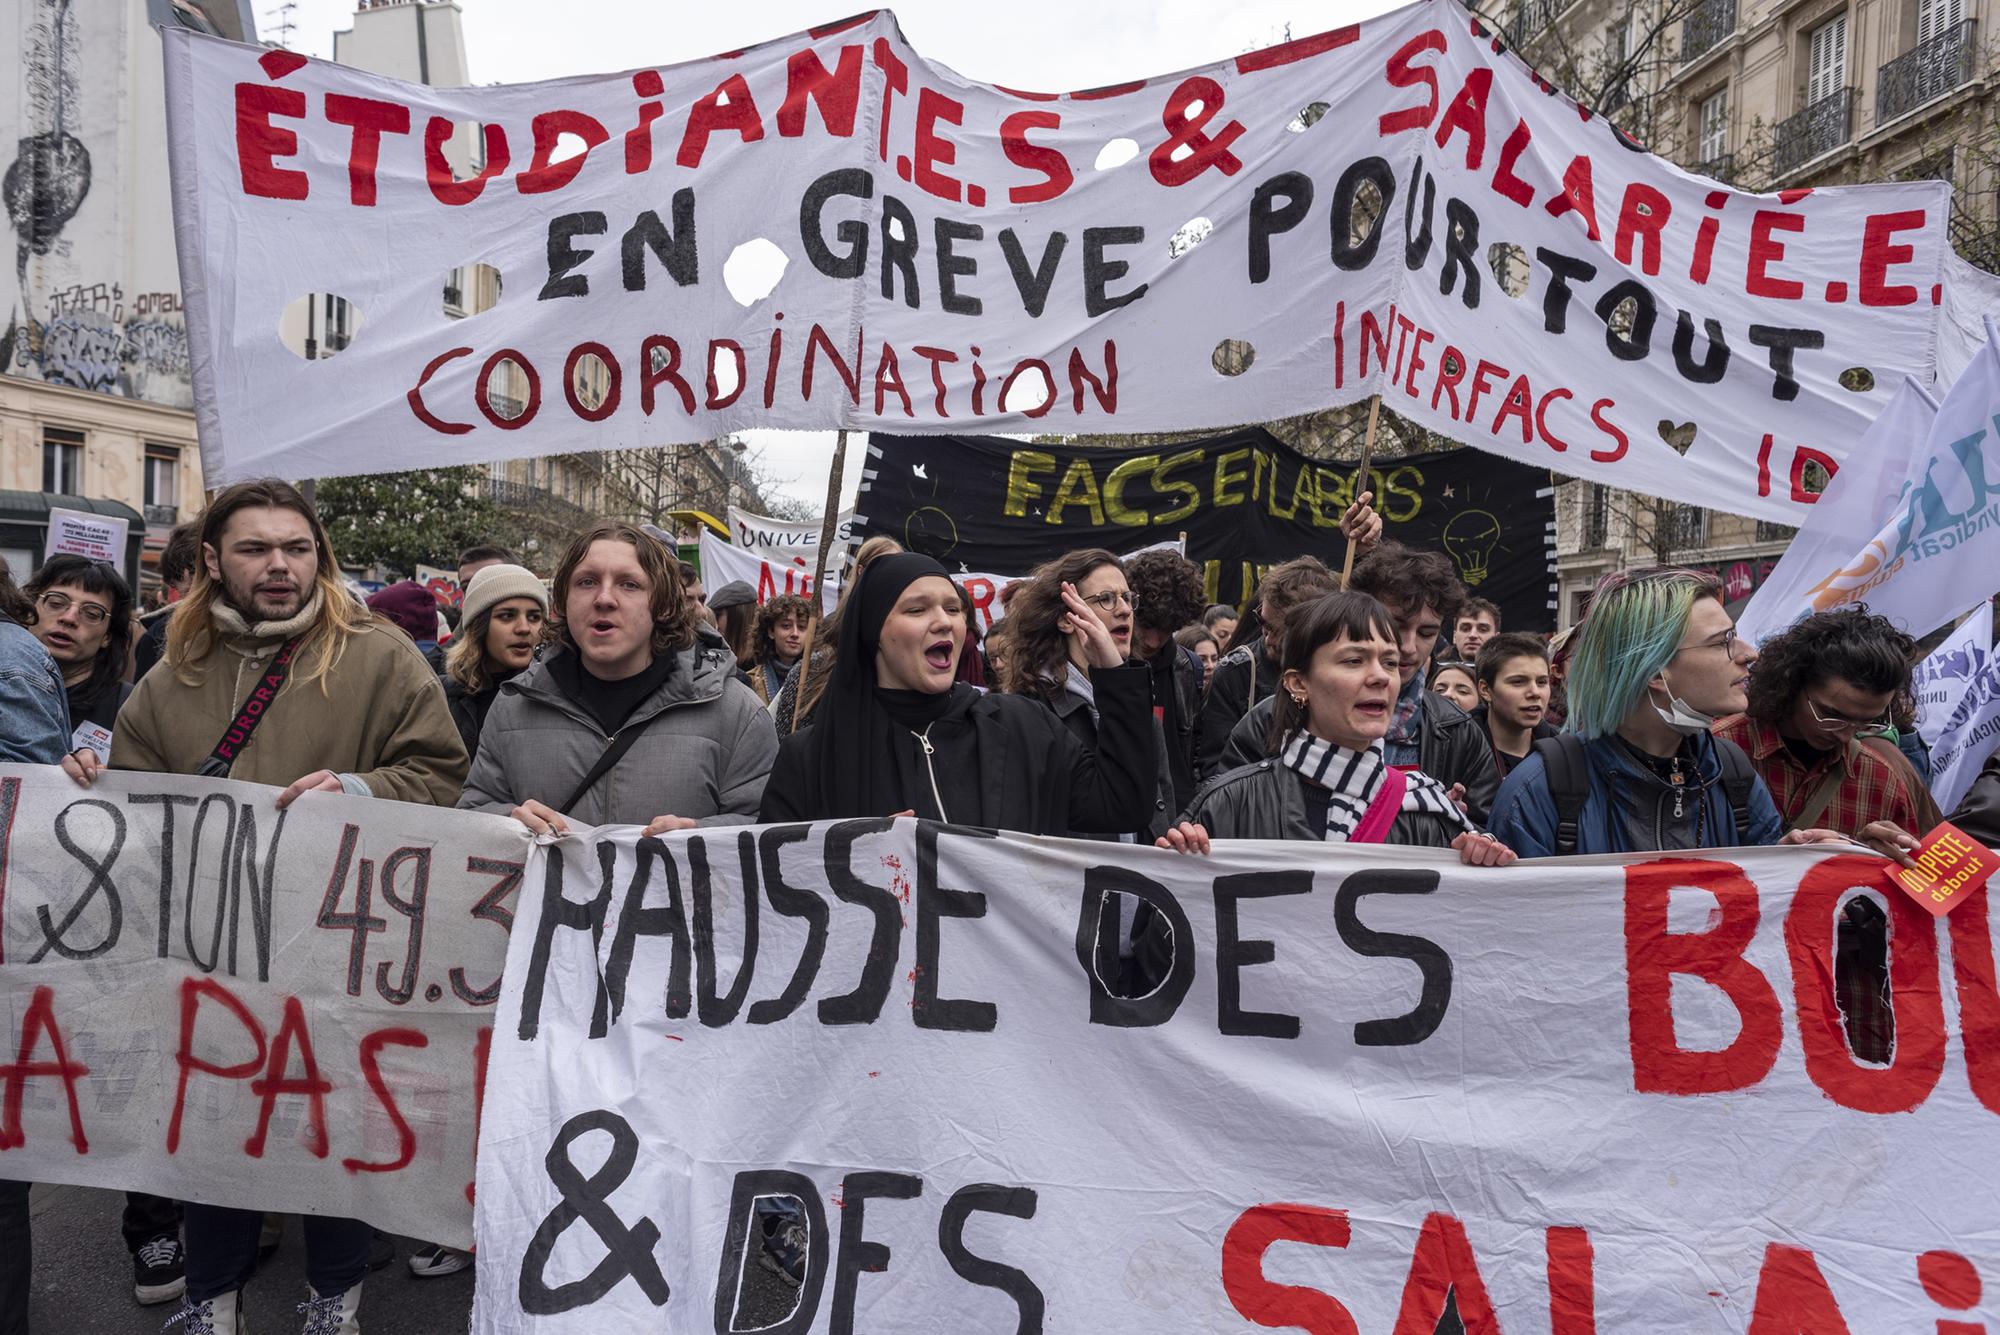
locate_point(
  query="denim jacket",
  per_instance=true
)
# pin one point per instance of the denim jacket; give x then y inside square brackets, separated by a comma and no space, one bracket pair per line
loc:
[34,711]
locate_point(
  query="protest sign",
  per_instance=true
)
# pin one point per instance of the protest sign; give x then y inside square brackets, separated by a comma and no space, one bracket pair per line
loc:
[443,584]
[769,574]
[211,1000]
[1937,544]
[1615,1090]
[1940,681]
[1400,206]
[77,533]
[1246,501]
[784,537]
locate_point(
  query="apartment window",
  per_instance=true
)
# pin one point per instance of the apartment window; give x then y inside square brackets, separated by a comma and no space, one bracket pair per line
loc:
[1937,17]
[163,476]
[1826,60]
[1712,123]
[1596,515]
[62,460]
[339,325]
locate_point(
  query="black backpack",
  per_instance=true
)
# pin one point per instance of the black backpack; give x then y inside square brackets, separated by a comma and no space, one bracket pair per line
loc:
[1568,773]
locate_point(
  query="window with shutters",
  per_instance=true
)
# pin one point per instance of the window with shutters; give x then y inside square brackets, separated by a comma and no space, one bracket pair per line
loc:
[1826,60]
[1713,132]
[1935,17]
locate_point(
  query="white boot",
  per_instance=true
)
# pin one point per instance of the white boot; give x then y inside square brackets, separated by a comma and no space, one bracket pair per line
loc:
[220,1315]
[333,1313]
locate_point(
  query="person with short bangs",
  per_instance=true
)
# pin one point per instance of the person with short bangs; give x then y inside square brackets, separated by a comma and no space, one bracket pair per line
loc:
[1327,778]
[83,617]
[896,734]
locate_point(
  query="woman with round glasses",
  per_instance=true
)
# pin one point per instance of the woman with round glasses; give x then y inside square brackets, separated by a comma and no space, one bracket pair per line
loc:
[83,617]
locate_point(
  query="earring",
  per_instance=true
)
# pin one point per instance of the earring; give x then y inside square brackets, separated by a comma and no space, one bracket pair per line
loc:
[1299,700]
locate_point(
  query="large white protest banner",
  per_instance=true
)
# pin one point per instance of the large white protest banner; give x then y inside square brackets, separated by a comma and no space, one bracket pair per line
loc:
[1937,547]
[212,1000]
[769,573]
[1594,1094]
[829,230]
[785,537]
[1940,681]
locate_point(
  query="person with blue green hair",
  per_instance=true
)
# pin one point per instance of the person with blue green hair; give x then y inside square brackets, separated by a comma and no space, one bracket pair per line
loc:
[1656,663]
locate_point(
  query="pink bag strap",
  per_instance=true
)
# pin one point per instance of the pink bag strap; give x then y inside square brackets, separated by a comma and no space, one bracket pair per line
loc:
[1381,813]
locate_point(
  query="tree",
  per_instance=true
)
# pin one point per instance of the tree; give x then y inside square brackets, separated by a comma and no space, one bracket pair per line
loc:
[399,520]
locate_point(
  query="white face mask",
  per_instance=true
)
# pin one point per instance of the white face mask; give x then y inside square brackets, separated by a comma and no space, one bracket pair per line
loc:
[1679,715]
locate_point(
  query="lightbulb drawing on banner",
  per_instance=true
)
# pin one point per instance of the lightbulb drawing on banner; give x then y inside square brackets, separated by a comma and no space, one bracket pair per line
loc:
[1470,537]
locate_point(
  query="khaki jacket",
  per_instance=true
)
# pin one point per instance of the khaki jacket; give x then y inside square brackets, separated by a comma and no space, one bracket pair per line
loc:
[379,716]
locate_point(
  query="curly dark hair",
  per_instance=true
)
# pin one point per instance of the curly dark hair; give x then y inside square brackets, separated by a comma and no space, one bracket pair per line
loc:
[1409,578]
[763,645]
[1851,645]
[1168,588]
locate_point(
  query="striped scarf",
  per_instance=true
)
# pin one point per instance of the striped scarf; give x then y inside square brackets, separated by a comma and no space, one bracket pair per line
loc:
[1353,778]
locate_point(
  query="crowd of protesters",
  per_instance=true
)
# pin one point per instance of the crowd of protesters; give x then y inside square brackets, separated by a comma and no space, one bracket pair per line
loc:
[1110,702]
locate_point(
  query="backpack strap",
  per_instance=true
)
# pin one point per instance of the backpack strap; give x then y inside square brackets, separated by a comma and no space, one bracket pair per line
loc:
[1567,771]
[1738,778]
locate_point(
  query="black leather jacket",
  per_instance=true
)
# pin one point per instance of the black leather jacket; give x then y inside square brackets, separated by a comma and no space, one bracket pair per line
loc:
[1266,800]
[1979,813]
[1075,714]
[1453,747]
[1244,672]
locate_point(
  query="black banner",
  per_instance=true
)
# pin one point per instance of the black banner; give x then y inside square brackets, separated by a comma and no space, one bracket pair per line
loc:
[1246,501]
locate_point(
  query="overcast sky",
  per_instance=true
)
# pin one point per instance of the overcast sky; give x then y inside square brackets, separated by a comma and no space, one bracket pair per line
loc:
[1045,45]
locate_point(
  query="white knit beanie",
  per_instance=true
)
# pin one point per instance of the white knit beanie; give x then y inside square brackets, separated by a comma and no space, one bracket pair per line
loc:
[496,584]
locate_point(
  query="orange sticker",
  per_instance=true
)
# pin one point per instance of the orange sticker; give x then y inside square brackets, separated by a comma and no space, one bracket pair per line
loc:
[1950,866]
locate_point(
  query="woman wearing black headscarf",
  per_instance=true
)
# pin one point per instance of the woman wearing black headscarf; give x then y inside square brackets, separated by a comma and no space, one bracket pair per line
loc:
[896,733]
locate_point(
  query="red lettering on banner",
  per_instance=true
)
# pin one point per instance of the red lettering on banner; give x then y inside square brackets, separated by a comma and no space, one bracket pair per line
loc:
[1653,955]
[1792,1296]
[895,79]
[1572,1283]
[1401,73]
[259,143]
[1641,217]
[1505,181]
[716,398]
[369,119]
[1918,1058]
[1266,1303]
[371,1071]
[889,379]
[1611,429]
[1172,167]
[1878,252]
[444,182]
[1299,48]
[482,1048]
[837,93]
[1578,196]
[1978,996]
[10,802]
[613,379]
[1467,112]
[277,1081]
[934,150]
[729,107]
[544,175]
[1802,456]
[416,395]
[639,139]
[1050,162]
[37,1023]
[193,990]
[1444,1264]
[1766,249]
[665,368]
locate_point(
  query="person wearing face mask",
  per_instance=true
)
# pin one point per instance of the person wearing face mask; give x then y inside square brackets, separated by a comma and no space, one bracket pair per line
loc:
[1655,664]
[504,609]
[895,733]
[1327,777]
[634,717]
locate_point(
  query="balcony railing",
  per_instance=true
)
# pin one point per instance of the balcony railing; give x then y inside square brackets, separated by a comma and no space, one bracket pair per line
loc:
[1720,168]
[1533,18]
[527,497]
[1705,25]
[1820,128]
[1925,72]
[162,516]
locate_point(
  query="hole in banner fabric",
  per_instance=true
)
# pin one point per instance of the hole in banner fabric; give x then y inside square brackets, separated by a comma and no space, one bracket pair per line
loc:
[1232,357]
[471,289]
[1510,267]
[1189,235]
[318,325]
[1116,154]
[753,270]
[1858,379]
[1309,116]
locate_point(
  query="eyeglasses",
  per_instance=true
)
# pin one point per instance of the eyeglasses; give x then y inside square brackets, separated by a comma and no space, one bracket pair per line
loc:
[93,614]
[1110,598]
[1727,644]
[1833,721]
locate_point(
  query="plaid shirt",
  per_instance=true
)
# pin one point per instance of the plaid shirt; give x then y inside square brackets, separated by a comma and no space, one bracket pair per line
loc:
[1871,789]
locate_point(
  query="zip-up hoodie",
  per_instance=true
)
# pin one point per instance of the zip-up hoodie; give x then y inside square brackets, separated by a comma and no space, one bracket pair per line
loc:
[704,758]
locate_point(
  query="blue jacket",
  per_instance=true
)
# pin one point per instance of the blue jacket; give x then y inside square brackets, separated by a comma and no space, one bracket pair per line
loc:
[34,711]
[1627,806]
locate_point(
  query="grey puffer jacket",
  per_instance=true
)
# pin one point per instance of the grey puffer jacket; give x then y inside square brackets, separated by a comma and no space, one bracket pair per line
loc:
[705,757]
